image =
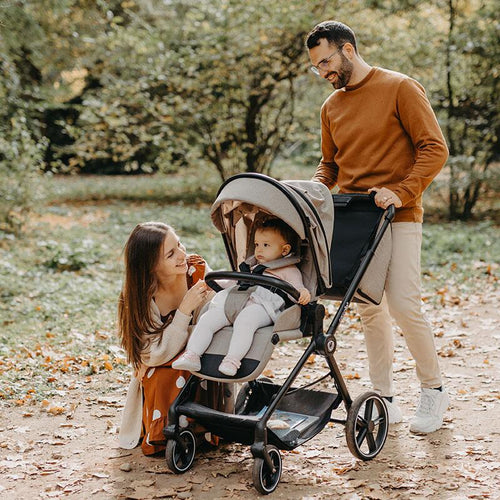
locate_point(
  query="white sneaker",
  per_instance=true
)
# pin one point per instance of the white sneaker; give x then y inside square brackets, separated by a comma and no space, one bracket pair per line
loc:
[393,411]
[430,411]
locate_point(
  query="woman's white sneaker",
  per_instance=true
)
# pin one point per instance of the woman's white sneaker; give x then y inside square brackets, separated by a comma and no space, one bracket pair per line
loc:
[430,411]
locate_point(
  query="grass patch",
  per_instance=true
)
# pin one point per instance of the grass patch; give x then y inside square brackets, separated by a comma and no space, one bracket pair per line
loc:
[190,186]
[458,256]
[61,278]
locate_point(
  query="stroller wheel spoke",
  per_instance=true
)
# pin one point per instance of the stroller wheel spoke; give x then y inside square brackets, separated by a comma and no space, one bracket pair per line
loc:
[369,410]
[372,445]
[362,422]
[362,435]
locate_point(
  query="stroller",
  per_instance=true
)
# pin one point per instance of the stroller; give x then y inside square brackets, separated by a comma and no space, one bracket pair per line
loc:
[343,258]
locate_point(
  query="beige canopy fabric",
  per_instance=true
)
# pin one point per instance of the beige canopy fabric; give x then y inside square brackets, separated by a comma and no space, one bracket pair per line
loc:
[306,206]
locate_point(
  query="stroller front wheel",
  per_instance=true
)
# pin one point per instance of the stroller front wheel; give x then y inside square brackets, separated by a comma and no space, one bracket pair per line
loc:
[367,426]
[264,478]
[180,452]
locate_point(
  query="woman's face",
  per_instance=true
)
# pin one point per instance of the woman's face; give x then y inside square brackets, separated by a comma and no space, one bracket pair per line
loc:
[172,259]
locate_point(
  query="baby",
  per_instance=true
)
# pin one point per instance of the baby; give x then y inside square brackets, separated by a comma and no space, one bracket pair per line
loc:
[273,240]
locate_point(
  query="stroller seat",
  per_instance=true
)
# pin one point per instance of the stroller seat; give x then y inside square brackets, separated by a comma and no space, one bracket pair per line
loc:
[286,327]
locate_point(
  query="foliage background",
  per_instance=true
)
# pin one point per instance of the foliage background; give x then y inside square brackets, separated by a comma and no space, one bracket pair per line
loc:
[120,86]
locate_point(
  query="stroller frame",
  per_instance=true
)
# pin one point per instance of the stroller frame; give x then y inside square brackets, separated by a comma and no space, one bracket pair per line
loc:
[366,423]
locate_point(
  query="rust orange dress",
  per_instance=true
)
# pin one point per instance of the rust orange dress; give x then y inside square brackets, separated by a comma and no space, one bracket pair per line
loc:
[161,385]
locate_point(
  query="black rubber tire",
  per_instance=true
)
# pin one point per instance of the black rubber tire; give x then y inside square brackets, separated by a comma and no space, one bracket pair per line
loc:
[179,457]
[264,479]
[367,426]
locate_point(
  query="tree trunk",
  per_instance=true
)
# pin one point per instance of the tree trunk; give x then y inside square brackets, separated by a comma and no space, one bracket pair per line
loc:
[453,198]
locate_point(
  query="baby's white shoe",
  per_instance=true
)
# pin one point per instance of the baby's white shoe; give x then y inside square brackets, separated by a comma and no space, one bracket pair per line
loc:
[229,366]
[188,361]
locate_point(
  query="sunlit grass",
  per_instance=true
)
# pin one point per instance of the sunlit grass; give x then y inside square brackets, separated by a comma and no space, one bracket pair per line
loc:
[62,276]
[190,186]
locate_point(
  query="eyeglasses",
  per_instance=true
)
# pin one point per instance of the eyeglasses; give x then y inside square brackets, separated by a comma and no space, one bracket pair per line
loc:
[323,65]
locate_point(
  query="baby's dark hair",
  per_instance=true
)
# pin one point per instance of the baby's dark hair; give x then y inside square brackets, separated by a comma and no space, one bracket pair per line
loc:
[283,229]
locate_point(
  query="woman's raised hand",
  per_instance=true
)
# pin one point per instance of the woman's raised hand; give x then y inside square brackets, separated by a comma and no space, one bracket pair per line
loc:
[195,297]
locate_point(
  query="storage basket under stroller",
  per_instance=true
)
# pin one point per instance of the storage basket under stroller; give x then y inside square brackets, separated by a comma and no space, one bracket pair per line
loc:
[345,237]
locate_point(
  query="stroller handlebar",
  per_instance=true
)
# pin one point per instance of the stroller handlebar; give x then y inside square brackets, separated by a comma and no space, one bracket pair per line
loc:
[390,212]
[251,279]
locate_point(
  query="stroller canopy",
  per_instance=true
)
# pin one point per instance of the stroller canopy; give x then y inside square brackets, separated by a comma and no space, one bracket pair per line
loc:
[306,206]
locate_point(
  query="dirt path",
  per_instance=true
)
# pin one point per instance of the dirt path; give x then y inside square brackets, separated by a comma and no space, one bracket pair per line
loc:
[74,455]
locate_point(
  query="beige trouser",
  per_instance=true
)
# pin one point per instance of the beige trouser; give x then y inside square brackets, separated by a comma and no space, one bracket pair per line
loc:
[402,300]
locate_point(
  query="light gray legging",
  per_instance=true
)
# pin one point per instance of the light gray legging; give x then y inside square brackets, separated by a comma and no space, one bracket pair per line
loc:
[252,317]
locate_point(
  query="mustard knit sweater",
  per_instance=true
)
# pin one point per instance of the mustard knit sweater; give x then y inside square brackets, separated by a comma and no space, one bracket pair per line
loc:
[381,132]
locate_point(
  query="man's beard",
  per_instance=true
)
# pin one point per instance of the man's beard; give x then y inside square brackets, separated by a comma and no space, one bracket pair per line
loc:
[344,73]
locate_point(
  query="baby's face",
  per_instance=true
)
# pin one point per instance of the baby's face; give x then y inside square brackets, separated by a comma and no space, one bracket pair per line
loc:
[269,245]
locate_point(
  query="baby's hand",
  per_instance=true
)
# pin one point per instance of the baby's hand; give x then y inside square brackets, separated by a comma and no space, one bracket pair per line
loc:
[305,296]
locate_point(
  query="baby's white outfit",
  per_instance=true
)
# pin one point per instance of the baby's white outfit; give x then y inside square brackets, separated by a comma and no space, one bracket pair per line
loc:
[261,309]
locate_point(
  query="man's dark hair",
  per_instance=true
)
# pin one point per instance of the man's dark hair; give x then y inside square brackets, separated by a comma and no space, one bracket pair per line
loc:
[335,32]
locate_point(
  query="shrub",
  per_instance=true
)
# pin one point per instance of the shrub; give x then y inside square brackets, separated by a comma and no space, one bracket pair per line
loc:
[21,158]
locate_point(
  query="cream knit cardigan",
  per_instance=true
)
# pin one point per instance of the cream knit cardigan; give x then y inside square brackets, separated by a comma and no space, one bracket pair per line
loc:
[161,350]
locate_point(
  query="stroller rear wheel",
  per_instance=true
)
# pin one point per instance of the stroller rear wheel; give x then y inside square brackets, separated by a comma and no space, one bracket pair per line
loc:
[180,453]
[367,426]
[264,478]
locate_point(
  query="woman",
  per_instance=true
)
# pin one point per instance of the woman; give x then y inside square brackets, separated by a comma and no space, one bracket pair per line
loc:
[162,295]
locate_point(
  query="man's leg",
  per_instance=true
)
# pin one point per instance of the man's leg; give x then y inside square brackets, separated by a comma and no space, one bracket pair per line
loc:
[377,328]
[403,291]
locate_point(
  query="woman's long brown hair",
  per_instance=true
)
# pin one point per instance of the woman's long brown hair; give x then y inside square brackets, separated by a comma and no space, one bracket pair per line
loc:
[135,319]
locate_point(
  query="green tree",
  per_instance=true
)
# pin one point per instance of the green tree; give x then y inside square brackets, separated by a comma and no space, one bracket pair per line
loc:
[472,97]
[38,42]
[237,91]
[21,144]
[185,82]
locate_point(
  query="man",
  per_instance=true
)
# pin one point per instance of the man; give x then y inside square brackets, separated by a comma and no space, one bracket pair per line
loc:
[379,133]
